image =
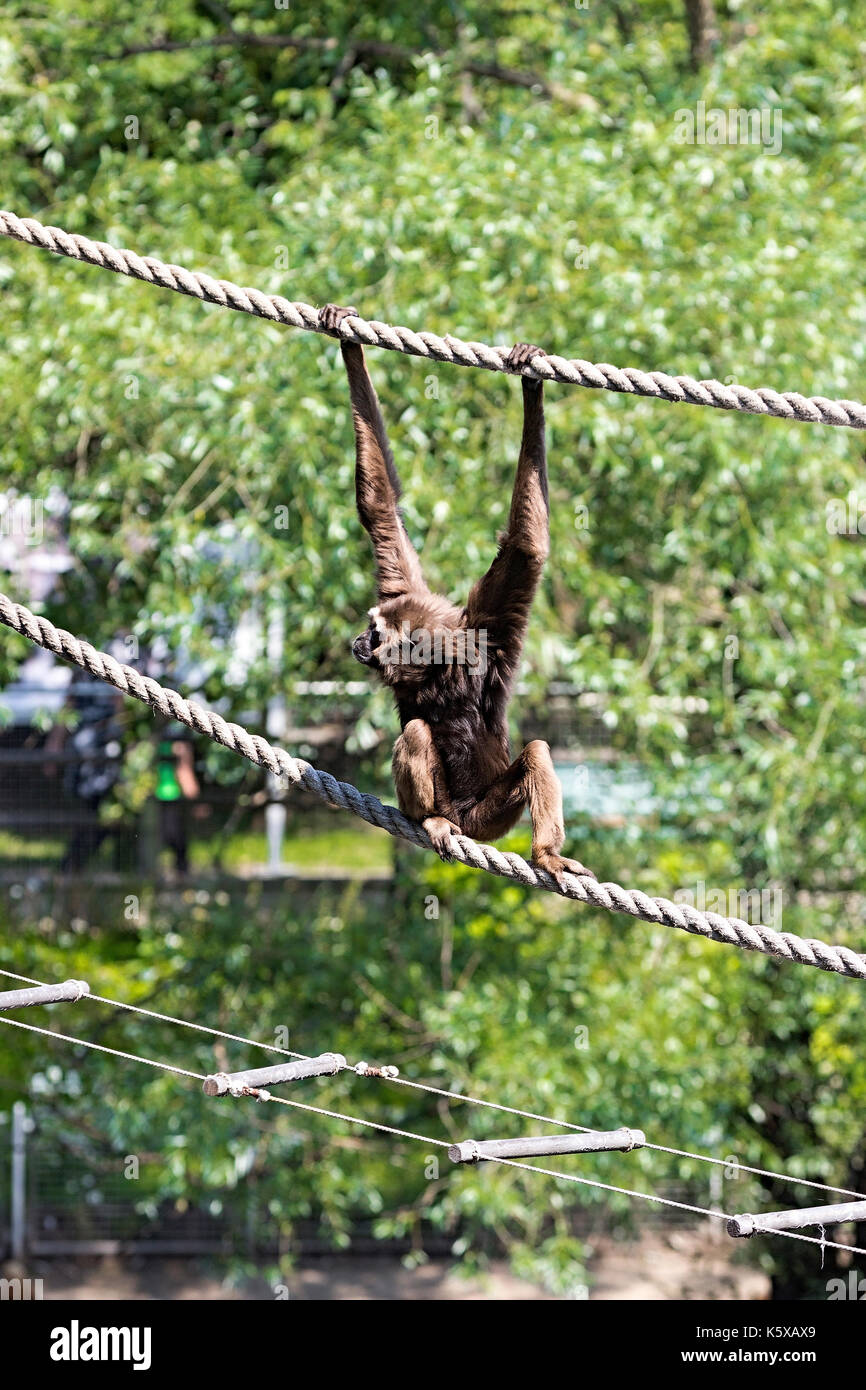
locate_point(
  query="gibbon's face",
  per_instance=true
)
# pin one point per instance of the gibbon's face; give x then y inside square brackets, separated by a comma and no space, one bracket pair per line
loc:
[367,643]
[403,641]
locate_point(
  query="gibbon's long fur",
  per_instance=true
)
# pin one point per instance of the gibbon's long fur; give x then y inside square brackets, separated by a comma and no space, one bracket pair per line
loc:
[451,669]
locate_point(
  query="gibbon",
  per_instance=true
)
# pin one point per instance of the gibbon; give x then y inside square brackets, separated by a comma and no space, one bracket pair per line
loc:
[451,669]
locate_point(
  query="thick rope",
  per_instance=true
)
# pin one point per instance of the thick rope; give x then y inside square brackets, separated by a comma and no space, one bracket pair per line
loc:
[680,390]
[839,960]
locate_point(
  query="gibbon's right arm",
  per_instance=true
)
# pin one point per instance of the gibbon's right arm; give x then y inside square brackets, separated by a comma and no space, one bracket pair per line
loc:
[377,487]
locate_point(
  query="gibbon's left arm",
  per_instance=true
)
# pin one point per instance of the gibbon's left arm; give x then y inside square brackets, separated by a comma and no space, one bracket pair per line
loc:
[377,486]
[501,600]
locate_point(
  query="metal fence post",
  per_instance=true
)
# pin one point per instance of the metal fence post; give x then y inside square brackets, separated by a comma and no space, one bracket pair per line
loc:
[19,1181]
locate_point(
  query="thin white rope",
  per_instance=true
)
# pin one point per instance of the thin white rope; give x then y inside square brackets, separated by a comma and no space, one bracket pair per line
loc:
[604,1186]
[664,1201]
[200,1076]
[657,1148]
[167,1018]
[353,1120]
[425,1139]
[761,1172]
[608,1187]
[459,1095]
[99,1047]
[813,1240]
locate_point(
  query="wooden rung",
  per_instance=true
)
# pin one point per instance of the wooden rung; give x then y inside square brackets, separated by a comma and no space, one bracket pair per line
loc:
[236,1082]
[752,1224]
[596,1141]
[70,990]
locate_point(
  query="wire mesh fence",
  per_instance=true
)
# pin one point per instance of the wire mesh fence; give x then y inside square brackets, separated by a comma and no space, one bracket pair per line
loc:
[78,1203]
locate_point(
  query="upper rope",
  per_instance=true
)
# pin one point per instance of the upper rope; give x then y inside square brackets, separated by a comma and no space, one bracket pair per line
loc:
[680,390]
[840,960]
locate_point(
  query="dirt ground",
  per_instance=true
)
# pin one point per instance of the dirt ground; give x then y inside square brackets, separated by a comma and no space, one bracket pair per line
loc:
[675,1266]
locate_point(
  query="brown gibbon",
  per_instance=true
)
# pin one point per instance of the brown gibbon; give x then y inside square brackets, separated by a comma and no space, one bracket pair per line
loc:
[451,669]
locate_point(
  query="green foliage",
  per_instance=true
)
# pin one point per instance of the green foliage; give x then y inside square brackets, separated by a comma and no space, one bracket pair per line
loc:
[505,995]
[207,459]
[172,426]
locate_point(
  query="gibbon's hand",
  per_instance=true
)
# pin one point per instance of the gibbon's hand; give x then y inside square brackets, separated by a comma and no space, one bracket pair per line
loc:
[331,316]
[521,355]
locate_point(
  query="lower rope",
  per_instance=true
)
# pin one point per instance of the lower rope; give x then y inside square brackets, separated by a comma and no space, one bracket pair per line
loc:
[733,931]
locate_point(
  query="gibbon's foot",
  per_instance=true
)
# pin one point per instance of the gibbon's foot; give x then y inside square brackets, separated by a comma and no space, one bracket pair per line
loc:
[331,316]
[521,355]
[558,865]
[440,831]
